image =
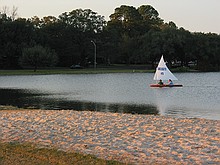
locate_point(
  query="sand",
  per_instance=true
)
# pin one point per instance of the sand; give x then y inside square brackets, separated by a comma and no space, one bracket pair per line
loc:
[129,138]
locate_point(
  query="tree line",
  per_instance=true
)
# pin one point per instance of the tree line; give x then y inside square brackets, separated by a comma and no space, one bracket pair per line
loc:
[131,36]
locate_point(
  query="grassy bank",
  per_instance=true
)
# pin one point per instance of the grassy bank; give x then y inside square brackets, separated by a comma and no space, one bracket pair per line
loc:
[117,68]
[82,71]
[100,69]
[28,154]
[71,71]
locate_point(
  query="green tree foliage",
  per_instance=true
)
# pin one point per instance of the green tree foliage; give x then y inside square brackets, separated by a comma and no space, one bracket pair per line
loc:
[13,36]
[84,20]
[150,17]
[151,46]
[126,20]
[130,23]
[131,36]
[207,51]
[81,26]
[38,56]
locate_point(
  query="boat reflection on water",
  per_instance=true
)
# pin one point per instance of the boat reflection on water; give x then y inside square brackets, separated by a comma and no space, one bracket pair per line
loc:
[32,99]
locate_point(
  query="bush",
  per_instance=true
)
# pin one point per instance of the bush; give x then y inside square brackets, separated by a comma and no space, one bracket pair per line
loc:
[38,56]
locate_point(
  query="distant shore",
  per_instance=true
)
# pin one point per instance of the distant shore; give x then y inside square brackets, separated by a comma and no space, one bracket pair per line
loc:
[98,70]
[128,138]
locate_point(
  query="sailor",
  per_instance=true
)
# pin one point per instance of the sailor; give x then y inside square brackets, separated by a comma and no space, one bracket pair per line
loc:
[170,82]
[160,82]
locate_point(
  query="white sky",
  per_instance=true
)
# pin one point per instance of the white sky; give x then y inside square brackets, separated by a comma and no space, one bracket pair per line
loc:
[192,15]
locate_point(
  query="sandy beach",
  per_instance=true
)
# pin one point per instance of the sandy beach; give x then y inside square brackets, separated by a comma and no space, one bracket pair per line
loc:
[129,138]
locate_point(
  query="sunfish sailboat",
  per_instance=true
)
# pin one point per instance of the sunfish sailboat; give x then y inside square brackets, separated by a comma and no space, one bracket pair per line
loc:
[163,73]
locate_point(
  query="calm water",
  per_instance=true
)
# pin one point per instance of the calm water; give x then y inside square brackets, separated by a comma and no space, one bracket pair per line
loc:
[128,93]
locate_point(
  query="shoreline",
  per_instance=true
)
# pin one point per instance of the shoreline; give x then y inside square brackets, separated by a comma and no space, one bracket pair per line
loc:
[128,138]
[99,70]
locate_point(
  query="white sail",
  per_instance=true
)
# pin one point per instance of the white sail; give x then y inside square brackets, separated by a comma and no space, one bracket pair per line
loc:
[162,72]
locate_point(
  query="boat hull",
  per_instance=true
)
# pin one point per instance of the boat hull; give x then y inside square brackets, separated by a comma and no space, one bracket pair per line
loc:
[165,85]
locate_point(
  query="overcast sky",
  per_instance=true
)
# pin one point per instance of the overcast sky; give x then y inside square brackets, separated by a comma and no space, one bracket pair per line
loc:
[192,15]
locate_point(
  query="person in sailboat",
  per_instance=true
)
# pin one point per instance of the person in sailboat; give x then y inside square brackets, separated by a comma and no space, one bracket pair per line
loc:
[160,82]
[170,82]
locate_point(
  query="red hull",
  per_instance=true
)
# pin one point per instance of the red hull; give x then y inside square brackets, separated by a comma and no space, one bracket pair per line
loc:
[165,85]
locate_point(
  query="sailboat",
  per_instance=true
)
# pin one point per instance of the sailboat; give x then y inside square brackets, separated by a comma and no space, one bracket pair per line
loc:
[163,73]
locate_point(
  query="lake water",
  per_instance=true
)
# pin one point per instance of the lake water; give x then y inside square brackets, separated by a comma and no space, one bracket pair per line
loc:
[122,92]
